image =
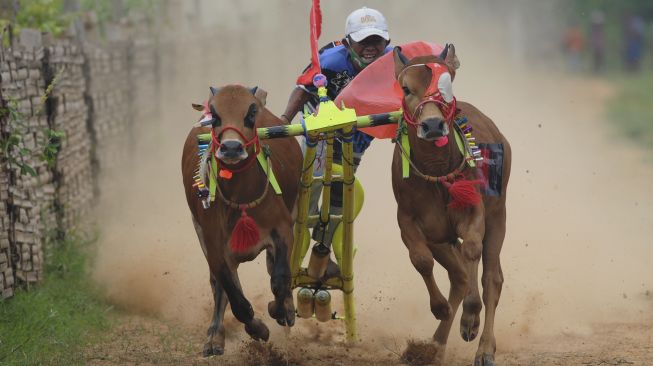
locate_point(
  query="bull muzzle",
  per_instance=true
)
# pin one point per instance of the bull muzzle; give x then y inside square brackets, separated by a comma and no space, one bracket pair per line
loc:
[231,152]
[432,128]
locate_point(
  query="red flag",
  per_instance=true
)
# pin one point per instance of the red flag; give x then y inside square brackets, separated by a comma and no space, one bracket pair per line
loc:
[316,28]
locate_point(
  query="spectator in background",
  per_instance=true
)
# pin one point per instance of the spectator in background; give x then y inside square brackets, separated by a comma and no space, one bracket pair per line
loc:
[573,43]
[634,42]
[597,40]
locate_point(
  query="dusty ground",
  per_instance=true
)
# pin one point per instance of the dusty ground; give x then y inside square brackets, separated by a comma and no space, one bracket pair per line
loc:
[147,341]
[576,259]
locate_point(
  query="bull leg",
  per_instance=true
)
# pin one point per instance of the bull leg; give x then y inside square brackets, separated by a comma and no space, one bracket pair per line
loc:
[492,281]
[449,257]
[470,320]
[215,334]
[240,306]
[281,308]
[471,231]
[215,342]
[422,259]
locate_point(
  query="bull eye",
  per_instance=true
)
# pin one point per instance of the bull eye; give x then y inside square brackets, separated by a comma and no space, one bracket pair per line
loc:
[406,90]
[216,119]
[250,118]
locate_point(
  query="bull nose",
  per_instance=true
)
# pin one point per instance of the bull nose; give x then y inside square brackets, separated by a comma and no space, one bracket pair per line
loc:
[433,123]
[231,148]
[433,127]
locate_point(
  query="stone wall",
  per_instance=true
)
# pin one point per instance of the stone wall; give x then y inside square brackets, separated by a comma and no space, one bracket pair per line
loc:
[69,114]
[28,205]
[6,270]
[109,97]
[99,90]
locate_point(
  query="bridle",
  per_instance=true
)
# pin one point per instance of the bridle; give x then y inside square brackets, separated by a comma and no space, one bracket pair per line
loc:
[432,95]
[215,145]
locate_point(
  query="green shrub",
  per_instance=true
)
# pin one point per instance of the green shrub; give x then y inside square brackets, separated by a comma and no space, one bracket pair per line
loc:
[52,322]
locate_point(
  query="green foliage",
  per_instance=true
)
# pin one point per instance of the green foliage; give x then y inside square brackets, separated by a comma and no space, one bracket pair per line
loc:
[51,323]
[46,15]
[102,8]
[145,6]
[632,110]
[105,9]
[13,146]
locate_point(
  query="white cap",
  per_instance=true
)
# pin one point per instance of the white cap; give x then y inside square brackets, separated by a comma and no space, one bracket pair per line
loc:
[366,22]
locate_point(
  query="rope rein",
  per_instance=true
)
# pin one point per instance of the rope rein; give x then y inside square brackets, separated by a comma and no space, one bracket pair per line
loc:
[248,205]
[450,177]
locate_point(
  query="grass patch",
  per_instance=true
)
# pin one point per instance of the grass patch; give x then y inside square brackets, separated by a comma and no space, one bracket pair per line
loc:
[632,109]
[52,322]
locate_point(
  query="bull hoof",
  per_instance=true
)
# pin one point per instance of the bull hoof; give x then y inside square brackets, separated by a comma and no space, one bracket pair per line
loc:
[469,324]
[284,315]
[484,360]
[289,321]
[290,311]
[275,311]
[212,350]
[257,330]
[441,311]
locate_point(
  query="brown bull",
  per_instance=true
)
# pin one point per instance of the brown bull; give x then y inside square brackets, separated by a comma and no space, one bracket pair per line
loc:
[236,112]
[431,228]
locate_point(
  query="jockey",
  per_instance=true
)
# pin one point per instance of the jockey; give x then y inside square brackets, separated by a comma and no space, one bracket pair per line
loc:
[366,39]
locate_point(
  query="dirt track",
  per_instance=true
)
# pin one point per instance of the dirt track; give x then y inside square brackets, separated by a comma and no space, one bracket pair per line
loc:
[576,258]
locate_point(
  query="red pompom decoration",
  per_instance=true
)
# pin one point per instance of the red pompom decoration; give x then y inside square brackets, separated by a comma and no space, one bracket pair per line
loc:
[463,193]
[245,234]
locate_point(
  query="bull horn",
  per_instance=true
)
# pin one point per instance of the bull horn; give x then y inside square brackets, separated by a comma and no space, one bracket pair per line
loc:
[402,57]
[214,114]
[443,54]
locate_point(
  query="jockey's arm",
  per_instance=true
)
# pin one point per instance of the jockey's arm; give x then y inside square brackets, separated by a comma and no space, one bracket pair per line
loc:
[298,98]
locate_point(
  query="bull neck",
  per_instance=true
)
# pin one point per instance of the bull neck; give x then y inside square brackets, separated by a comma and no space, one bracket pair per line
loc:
[432,160]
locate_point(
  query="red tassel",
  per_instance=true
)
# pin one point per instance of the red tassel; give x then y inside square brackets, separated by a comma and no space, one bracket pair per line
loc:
[463,193]
[245,234]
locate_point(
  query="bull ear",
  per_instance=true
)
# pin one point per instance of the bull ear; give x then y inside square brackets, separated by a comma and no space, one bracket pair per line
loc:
[198,107]
[450,57]
[400,60]
[260,94]
[213,90]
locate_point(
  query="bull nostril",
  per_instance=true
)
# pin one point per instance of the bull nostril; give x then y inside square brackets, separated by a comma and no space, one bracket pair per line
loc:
[231,146]
[425,127]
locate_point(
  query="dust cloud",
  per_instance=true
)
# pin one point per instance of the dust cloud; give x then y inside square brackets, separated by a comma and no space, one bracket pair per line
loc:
[577,250]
